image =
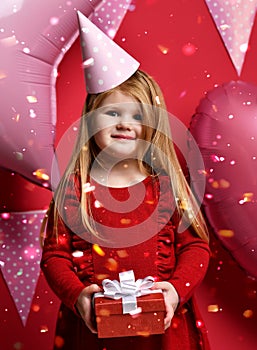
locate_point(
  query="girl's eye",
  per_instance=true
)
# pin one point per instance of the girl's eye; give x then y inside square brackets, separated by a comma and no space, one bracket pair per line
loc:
[138,117]
[112,113]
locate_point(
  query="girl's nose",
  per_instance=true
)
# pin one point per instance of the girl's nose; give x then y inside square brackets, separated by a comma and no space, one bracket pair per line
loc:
[123,124]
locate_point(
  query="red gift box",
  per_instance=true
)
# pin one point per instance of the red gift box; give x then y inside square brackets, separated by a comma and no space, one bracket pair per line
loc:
[146,320]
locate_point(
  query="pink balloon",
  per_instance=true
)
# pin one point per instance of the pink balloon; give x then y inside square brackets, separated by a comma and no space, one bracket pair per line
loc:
[225,128]
[34,37]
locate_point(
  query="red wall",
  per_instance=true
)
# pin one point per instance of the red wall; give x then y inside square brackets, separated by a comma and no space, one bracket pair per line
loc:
[184,80]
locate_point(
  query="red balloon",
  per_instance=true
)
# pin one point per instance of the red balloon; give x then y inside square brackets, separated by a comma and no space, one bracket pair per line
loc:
[225,129]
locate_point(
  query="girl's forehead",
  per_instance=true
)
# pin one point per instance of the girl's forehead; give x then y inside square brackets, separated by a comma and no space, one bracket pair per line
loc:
[118,97]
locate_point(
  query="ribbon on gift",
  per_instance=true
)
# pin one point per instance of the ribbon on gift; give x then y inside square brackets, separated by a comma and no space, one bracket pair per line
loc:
[128,289]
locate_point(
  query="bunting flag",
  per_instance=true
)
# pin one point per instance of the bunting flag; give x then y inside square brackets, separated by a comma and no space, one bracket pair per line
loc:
[234,20]
[20,255]
[109,14]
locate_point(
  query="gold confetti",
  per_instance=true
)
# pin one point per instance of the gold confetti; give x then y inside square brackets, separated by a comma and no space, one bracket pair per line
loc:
[104,312]
[102,276]
[122,253]
[32,99]
[248,313]
[226,233]
[41,174]
[163,49]
[143,333]
[149,202]
[213,308]
[248,197]
[125,221]
[16,118]
[111,264]
[224,183]
[98,250]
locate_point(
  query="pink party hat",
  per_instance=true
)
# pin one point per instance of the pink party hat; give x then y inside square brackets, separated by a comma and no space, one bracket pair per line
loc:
[106,64]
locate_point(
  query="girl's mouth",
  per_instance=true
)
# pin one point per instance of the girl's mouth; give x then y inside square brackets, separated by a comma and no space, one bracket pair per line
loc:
[123,137]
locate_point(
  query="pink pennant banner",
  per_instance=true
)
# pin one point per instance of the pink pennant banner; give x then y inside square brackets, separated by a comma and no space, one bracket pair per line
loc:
[109,14]
[20,254]
[234,20]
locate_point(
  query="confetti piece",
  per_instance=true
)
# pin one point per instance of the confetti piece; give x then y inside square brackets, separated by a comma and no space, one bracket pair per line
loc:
[150,202]
[122,253]
[143,334]
[104,312]
[213,308]
[98,250]
[125,221]
[97,204]
[111,264]
[88,188]
[32,99]
[226,233]
[248,313]
[43,329]
[41,174]
[102,276]
[222,183]
[248,197]
[163,49]
[59,341]
[77,254]
[35,307]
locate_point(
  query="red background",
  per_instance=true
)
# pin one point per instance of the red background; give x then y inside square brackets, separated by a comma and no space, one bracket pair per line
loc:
[184,79]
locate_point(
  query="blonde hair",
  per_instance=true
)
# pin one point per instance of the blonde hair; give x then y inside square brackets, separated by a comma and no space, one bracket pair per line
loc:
[160,156]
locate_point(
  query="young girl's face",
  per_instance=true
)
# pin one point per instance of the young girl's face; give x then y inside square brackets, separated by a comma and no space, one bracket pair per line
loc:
[117,125]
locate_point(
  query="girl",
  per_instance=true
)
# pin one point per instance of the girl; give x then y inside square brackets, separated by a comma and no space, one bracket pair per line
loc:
[124,203]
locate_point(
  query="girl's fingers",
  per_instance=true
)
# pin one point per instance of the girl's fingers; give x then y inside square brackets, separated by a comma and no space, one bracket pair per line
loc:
[84,305]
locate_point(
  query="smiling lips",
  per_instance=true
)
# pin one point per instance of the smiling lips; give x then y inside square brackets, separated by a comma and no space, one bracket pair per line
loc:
[122,137]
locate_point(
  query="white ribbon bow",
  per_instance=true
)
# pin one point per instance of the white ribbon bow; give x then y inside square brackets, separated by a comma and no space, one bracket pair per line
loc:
[128,289]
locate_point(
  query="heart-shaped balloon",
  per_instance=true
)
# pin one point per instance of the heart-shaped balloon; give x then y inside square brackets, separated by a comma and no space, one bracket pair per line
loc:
[225,129]
[34,37]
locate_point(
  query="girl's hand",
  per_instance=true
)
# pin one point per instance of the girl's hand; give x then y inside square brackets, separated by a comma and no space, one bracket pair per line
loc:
[84,305]
[170,298]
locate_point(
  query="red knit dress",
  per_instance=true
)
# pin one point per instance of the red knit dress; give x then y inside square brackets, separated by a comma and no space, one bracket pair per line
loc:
[141,222]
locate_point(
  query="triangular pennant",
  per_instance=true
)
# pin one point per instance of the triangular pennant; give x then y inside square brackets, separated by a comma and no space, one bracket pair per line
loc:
[109,14]
[20,254]
[234,20]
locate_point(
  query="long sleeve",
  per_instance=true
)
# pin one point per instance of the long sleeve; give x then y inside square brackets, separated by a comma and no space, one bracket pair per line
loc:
[57,261]
[57,265]
[192,259]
